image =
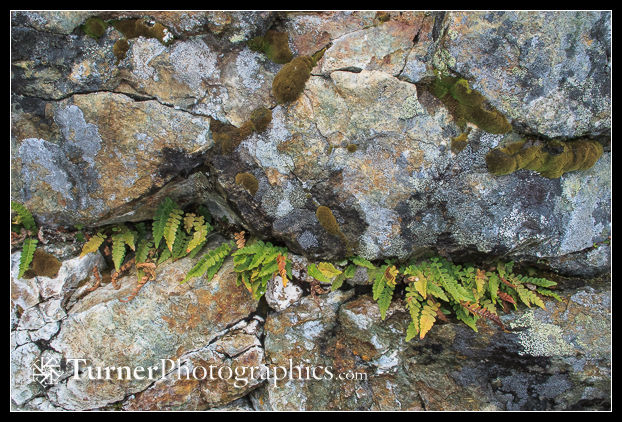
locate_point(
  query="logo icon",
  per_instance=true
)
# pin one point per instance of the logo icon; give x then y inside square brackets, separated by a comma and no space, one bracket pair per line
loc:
[47,371]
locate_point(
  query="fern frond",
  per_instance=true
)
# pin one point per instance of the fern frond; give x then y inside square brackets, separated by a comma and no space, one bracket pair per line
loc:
[170,229]
[281,264]
[189,221]
[118,250]
[550,293]
[25,217]
[160,219]
[210,263]
[28,253]
[93,244]
[346,274]
[313,271]
[428,317]
[362,262]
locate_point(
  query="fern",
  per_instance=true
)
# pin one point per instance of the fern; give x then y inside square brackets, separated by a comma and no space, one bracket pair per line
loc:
[256,263]
[93,244]
[201,229]
[24,217]
[161,218]
[170,229]
[28,253]
[210,263]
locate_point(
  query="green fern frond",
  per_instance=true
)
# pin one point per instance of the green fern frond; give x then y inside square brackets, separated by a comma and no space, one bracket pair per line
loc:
[28,253]
[25,218]
[93,244]
[210,263]
[160,219]
[201,230]
[362,262]
[170,229]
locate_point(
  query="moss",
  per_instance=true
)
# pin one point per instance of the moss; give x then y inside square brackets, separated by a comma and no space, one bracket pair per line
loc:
[120,48]
[134,28]
[250,182]
[289,83]
[43,264]
[500,163]
[94,27]
[227,137]
[460,142]
[467,105]
[261,118]
[352,147]
[274,45]
[551,159]
[329,222]
[382,17]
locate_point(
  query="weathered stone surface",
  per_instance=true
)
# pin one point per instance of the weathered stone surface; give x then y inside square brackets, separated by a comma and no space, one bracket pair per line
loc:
[165,321]
[548,71]
[198,382]
[97,139]
[113,150]
[553,359]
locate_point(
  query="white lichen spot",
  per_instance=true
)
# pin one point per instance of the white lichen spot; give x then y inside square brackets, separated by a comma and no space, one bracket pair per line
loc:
[248,66]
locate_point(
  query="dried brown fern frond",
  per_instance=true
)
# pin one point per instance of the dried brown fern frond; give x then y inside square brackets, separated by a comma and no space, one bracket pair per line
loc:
[239,239]
[281,262]
[484,313]
[98,279]
[115,275]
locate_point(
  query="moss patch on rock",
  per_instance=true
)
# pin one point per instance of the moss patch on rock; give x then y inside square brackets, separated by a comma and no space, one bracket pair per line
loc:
[274,45]
[551,159]
[94,27]
[248,181]
[43,264]
[289,83]
[467,105]
[261,118]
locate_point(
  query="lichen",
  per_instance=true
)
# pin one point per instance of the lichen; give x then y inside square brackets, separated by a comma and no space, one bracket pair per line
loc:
[551,159]
[274,45]
[248,181]
[289,83]
[467,105]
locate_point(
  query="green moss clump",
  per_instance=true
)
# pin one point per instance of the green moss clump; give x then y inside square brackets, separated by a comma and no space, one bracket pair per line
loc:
[43,264]
[250,182]
[352,147]
[460,142]
[120,48]
[227,137]
[382,17]
[550,160]
[289,83]
[274,45]
[467,105]
[261,118]
[328,221]
[134,28]
[94,27]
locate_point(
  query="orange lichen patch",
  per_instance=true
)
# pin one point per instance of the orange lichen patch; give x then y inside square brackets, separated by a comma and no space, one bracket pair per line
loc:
[275,178]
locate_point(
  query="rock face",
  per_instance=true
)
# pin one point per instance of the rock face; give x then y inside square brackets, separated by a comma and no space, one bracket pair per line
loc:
[100,138]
